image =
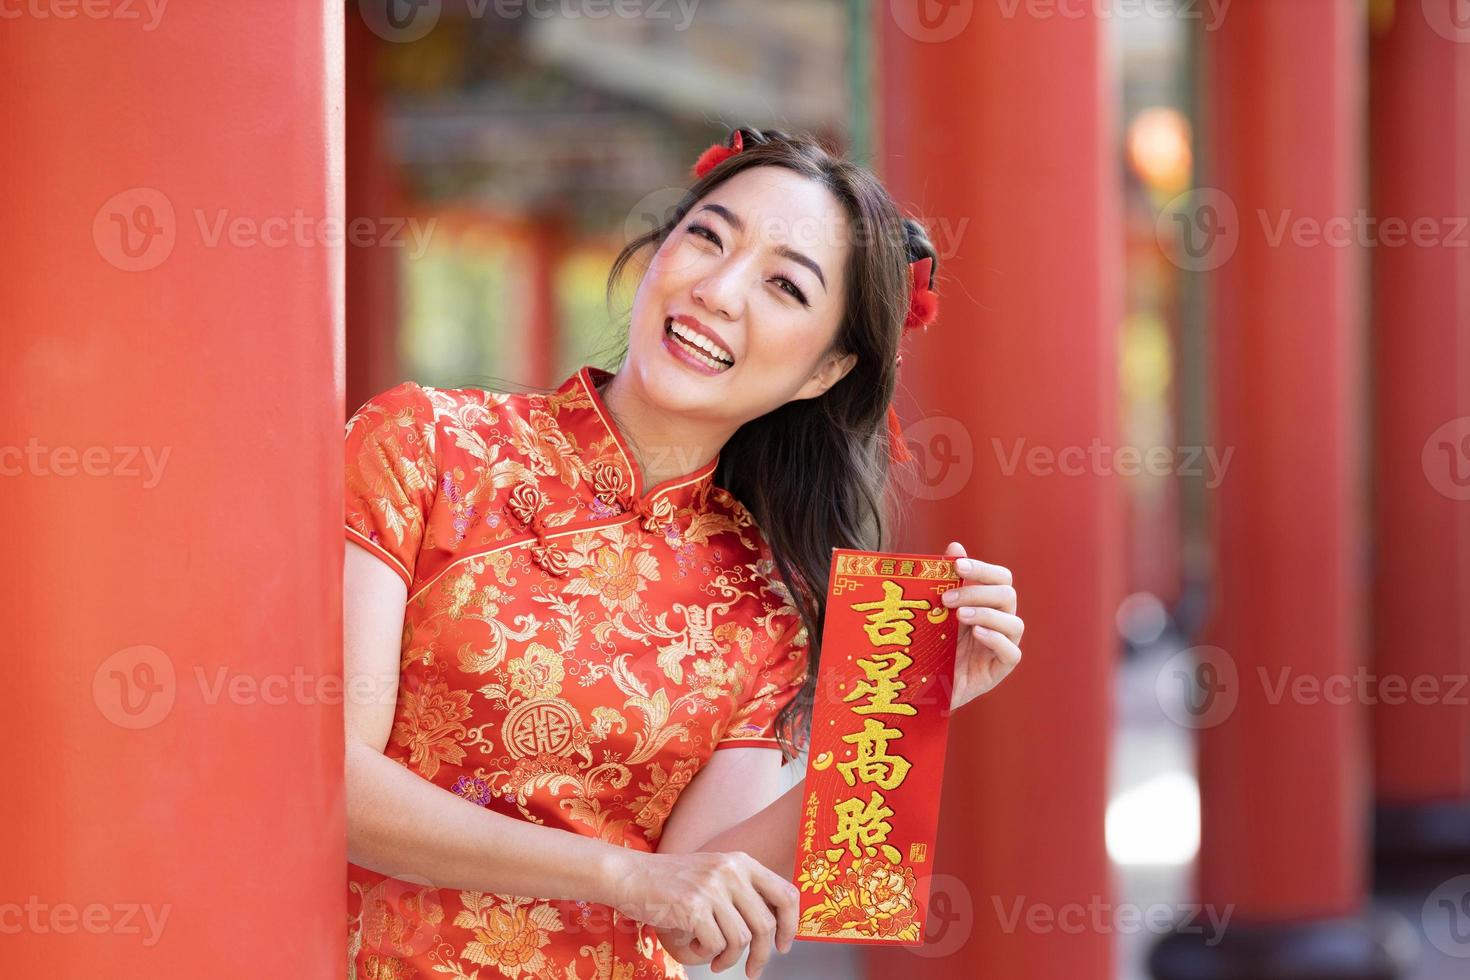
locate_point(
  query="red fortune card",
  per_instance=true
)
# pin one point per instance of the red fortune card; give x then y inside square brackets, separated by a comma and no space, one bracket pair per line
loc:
[880,722]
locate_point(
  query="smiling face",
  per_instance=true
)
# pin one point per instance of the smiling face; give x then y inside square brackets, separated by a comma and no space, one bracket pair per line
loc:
[740,307]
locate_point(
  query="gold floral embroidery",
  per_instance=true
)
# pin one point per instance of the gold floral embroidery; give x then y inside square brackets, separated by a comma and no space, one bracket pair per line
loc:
[712,678]
[547,448]
[394,465]
[376,967]
[510,933]
[617,573]
[660,793]
[538,672]
[870,898]
[430,723]
[817,874]
[604,965]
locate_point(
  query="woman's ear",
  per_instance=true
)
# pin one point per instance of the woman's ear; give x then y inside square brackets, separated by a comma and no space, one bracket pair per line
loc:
[834,368]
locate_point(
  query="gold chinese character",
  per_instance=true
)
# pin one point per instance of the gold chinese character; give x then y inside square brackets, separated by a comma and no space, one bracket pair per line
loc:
[918,852]
[874,764]
[890,623]
[882,685]
[860,824]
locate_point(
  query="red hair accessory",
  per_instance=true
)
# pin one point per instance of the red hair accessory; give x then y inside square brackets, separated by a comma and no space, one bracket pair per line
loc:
[717,154]
[923,308]
[923,302]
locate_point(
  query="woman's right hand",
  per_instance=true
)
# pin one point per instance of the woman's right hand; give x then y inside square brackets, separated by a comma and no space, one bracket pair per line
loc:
[708,906]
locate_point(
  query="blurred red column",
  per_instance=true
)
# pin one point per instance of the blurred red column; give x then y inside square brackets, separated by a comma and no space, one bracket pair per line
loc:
[1420,103]
[1283,775]
[170,437]
[997,131]
[545,243]
[376,249]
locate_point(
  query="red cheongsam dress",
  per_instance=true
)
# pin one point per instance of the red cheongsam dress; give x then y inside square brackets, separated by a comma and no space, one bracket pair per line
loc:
[575,647]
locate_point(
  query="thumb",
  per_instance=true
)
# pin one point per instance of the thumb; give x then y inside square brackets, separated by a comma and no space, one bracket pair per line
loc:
[955,550]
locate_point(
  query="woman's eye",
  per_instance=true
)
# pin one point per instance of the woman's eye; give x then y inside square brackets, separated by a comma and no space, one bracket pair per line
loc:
[704,232]
[792,288]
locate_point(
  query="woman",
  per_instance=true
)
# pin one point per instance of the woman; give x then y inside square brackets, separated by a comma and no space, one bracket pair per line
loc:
[583,628]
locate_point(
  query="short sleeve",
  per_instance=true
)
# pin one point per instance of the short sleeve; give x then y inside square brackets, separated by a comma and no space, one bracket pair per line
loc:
[777,684]
[391,476]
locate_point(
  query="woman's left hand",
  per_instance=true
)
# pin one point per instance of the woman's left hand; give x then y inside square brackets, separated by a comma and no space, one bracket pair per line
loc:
[990,631]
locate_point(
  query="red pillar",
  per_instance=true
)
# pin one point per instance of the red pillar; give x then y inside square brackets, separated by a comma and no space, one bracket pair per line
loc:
[544,241]
[1283,776]
[1420,88]
[998,132]
[172,576]
[373,201]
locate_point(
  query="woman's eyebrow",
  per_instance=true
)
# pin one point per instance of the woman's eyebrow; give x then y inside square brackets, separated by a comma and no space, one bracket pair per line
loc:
[790,253]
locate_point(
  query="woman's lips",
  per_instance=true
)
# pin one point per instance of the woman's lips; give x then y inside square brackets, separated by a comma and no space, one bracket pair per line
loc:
[683,352]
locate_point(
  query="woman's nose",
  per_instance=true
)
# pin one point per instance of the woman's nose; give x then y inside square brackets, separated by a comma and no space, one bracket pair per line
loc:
[722,291]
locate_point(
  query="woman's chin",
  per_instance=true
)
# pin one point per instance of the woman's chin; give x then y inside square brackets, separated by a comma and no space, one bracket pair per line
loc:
[675,387]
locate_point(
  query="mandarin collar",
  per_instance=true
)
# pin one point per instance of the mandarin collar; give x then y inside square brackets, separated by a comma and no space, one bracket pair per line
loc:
[582,414]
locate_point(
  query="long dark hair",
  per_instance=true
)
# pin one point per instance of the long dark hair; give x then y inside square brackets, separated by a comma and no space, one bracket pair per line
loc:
[814,473]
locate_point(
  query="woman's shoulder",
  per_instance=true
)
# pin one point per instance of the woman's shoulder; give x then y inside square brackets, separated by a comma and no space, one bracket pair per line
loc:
[752,551]
[445,407]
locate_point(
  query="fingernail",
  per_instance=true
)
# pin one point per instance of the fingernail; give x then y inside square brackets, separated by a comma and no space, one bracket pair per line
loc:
[964,565]
[951,597]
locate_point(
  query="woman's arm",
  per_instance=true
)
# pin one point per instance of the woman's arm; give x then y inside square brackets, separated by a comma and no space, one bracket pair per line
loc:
[401,824]
[736,803]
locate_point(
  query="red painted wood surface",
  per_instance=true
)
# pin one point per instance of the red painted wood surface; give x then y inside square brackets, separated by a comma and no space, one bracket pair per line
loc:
[171,583]
[1282,776]
[998,131]
[1420,126]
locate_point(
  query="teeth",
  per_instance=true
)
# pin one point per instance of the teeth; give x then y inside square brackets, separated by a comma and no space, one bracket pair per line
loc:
[717,356]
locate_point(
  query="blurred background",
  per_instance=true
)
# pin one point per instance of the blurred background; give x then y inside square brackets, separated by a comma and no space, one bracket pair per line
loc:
[1201,378]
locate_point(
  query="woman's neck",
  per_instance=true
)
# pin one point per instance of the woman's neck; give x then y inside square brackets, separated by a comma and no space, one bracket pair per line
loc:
[665,446]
